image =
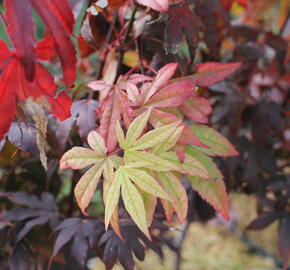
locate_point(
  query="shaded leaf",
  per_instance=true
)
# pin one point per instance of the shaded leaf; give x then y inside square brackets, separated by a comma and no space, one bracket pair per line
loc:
[85,112]
[263,221]
[284,240]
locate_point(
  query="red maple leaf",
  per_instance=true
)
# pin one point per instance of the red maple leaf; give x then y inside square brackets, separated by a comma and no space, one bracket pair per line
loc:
[14,87]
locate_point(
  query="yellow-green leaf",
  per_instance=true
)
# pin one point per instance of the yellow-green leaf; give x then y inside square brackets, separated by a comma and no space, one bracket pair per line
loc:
[169,143]
[150,202]
[218,144]
[190,165]
[112,196]
[79,158]
[146,182]
[207,162]
[176,191]
[151,161]
[214,192]
[86,187]
[96,142]
[120,135]
[136,128]
[134,205]
[154,137]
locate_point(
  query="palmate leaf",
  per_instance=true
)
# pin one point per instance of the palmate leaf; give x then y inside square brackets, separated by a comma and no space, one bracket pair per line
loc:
[79,157]
[132,197]
[218,144]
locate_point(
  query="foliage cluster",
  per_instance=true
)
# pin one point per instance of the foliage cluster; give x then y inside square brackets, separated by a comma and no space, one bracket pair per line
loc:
[121,92]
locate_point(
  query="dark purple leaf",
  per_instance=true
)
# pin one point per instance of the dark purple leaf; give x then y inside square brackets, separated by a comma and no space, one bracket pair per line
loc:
[79,249]
[63,131]
[29,225]
[68,229]
[23,136]
[263,221]
[85,111]
[19,260]
[19,214]
[284,240]
[182,21]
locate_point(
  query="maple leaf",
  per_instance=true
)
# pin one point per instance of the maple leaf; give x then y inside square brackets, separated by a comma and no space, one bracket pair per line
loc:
[78,158]
[58,17]
[83,233]
[38,211]
[210,73]
[14,87]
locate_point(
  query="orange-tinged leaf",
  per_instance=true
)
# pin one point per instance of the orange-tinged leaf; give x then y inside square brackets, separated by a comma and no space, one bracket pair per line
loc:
[218,144]
[214,192]
[134,205]
[86,186]
[150,202]
[169,211]
[176,191]
[79,158]
[212,72]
